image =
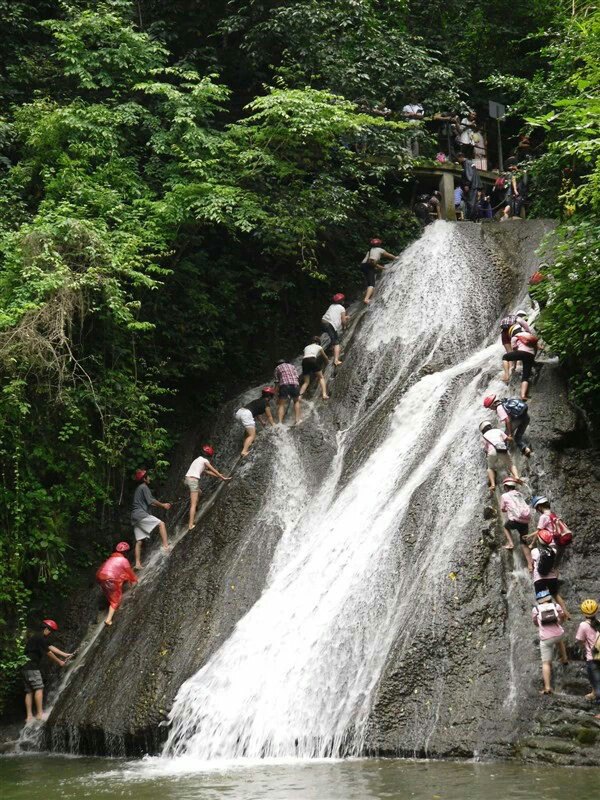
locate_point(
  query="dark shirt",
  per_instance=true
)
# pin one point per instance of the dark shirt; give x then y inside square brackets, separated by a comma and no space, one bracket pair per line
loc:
[142,500]
[36,648]
[470,174]
[257,407]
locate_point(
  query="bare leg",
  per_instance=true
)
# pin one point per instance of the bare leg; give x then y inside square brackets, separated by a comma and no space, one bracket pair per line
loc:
[110,615]
[162,529]
[506,368]
[28,707]
[193,506]
[513,472]
[38,696]
[547,676]
[250,437]
[368,295]
[564,659]
[524,389]
[297,411]
[560,600]
[336,355]
[323,385]
[138,554]
[491,480]
[305,382]
[509,542]
[281,404]
[527,554]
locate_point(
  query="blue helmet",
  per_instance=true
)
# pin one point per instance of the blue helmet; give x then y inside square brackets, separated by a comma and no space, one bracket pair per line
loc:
[539,500]
[543,593]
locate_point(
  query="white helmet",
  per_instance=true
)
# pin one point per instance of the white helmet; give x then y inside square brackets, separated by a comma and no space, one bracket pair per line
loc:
[521,313]
[484,425]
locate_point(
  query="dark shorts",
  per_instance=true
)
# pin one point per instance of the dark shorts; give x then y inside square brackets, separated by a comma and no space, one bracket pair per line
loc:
[289,390]
[310,365]
[32,680]
[552,584]
[328,328]
[526,359]
[368,270]
[521,527]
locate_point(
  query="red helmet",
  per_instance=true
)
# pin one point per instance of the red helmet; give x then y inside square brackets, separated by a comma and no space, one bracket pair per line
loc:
[537,277]
[268,390]
[375,241]
[49,623]
[122,547]
[488,400]
[208,450]
[338,298]
[546,536]
[140,474]
[509,481]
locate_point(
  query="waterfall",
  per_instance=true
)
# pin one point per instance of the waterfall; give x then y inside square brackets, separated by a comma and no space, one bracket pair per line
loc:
[364,562]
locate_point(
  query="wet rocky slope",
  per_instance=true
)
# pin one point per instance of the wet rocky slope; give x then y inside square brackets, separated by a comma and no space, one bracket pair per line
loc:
[465,684]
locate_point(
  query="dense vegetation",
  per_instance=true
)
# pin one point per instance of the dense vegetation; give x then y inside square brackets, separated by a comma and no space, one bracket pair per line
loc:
[182,181]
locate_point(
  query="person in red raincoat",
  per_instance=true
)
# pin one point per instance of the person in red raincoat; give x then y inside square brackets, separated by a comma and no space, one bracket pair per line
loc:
[111,576]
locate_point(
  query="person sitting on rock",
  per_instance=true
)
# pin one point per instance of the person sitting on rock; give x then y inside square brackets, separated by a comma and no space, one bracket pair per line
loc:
[333,322]
[514,414]
[496,449]
[143,522]
[524,349]
[111,576]
[313,361]
[548,617]
[36,647]
[588,635]
[192,480]
[288,388]
[248,414]
[518,513]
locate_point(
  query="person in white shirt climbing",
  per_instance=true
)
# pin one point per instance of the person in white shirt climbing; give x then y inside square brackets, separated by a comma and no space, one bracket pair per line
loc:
[314,359]
[333,323]
[496,449]
[518,514]
[192,479]
[371,263]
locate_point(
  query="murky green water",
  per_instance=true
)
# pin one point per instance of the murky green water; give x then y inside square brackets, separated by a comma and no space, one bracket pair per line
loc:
[50,778]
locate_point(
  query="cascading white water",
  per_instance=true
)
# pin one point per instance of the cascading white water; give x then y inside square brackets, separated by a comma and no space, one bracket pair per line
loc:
[354,573]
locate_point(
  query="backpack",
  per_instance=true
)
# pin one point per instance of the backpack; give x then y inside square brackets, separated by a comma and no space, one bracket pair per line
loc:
[546,560]
[506,322]
[562,535]
[547,614]
[596,649]
[529,339]
[515,407]
[521,506]
[501,447]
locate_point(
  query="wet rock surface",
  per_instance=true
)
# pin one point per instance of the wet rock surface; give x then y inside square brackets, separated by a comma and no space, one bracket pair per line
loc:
[464,683]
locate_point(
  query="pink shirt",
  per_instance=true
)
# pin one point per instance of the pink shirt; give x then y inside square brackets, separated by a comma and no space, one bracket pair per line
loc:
[515,506]
[517,344]
[587,635]
[544,523]
[495,435]
[554,628]
[502,413]
[535,557]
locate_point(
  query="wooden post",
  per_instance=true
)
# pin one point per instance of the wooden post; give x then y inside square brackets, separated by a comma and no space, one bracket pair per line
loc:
[447,190]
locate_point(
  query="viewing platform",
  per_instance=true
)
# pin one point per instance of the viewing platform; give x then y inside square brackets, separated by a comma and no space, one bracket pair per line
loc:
[445,177]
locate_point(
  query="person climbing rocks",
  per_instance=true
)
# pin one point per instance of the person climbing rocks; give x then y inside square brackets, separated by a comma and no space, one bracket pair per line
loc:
[111,576]
[514,414]
[248,414]
[496,449]
[288,388]
[506,323]
[333,322]
[524,349]
[36,647]
[421,210]
[314,359]
[558,534]
[142,520]
[588,635]
[518,514]
[545,558]
[371,263]
[548,617]
[192,479]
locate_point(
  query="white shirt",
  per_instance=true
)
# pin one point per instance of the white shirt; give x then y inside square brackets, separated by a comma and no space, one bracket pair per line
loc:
[334,314]
[312,351]
[197,467]
[375,253]
[413,108]
[466,133]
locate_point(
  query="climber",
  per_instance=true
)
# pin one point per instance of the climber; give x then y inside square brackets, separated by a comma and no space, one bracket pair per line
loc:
[518,513]
[313,360]
[524,348]
[36,647]
[514,414]
[288,388]
[548,617]
[506,323]
[111,576]
[558,534]
[498,457]
[588,635]
[143,522]
[333,322]
[252,411]
[192,480]
[545,568]
[371,263]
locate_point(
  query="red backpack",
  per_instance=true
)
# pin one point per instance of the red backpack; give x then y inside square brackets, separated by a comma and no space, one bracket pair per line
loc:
[561,534]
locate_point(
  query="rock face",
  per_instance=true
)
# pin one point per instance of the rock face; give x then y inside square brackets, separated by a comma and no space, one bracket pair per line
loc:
[465,685]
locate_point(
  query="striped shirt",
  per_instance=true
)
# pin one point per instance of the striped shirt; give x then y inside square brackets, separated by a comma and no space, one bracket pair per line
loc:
[286,375]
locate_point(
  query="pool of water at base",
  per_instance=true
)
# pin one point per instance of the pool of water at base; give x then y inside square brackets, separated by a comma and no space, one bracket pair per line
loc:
[43,777]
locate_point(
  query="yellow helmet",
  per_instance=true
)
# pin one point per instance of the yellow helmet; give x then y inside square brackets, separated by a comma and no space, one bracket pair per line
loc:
[589,607]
